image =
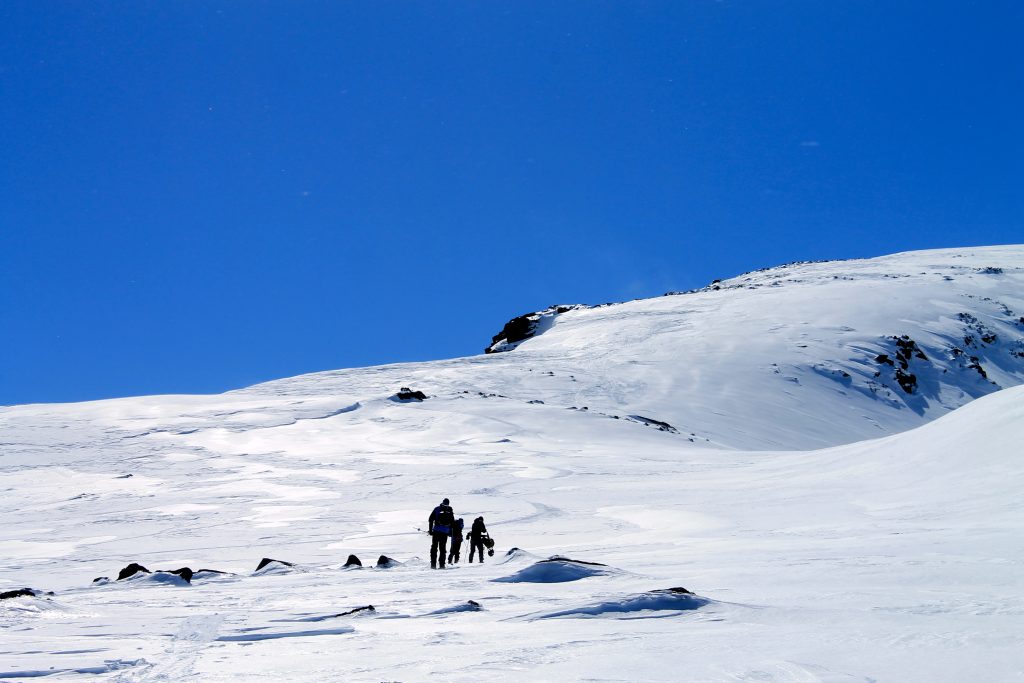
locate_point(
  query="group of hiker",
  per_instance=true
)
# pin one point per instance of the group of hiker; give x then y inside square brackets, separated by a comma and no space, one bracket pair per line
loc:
[442,525]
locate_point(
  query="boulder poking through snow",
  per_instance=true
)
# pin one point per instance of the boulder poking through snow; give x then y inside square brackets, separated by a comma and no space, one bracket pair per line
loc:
[271,566]
[385,562]
[352,561]
[22,593]
[131,570]
[556,569]
[407,395]
[185,573]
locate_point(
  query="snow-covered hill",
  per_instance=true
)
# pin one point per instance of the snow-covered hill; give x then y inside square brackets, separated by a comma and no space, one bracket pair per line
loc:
[800,356]
[634,435]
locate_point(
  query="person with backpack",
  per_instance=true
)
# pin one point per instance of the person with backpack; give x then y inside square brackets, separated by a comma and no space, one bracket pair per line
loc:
[457,529]
[439,526]
[476,537]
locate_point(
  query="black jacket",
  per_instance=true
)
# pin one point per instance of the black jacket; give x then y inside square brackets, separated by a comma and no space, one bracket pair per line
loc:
[441,519]
[479,530]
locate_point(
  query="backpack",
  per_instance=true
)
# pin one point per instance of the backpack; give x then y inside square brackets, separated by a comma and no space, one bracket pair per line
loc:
[444,517]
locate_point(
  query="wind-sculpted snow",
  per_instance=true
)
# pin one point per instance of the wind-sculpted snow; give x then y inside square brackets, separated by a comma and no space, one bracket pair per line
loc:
[468,606]
[105,668]
[277,635]
[556,570]
[658,602]
[160,578]
[890,558]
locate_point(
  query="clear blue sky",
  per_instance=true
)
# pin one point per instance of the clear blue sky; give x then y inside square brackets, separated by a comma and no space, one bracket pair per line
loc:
[197,196]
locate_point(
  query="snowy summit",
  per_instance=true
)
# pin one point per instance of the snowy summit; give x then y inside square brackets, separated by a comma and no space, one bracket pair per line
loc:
[805,473]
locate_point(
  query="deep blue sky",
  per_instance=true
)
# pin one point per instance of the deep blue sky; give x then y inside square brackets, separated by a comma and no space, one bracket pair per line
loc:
[196,196]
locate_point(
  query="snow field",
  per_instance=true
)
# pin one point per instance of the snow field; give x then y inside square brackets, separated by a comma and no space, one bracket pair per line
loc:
[895,558]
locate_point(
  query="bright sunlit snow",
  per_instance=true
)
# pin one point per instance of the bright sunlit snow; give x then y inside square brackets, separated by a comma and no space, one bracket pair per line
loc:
[808,473]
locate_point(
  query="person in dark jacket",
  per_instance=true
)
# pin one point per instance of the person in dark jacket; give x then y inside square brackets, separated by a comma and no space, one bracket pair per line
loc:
[439,525]
[457,529]
[476,537]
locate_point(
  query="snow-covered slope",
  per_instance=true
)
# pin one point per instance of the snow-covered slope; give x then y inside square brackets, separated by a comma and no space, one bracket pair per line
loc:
[890,559]
[800,356]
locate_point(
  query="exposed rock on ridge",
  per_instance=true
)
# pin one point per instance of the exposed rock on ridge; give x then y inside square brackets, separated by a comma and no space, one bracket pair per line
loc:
[523,327]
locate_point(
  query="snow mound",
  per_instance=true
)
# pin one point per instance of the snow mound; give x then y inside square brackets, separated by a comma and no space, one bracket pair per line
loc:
[674,600]
[468,606]
[28,602]
[158,577]
[556,570]
[515,554]
[211,575]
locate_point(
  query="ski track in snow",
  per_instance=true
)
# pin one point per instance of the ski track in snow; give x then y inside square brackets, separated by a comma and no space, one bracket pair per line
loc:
[888,558]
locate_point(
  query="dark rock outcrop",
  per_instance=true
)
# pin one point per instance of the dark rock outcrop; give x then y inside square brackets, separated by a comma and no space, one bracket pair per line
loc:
[266,560]
[353,561]
[185,573]
[906,349]
[906,380]
[407,394]
[131,570]
[523,327]
[134,569]
[385,562]
[19,593]
[357,610]
[976,332]
[650,422]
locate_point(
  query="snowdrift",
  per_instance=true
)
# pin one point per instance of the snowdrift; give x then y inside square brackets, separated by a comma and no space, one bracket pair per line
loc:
[557,570]
[676,600]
